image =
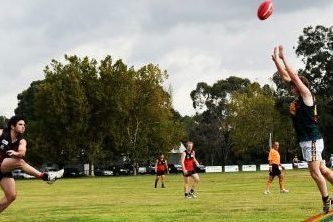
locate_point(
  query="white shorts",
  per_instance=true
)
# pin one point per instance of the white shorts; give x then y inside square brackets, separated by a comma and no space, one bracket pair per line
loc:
[312,151]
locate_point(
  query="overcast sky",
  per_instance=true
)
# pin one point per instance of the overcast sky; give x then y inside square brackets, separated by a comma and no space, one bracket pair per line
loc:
[194,40]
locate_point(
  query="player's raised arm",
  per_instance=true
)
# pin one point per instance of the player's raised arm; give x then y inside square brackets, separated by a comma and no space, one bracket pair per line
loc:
[280,66]
[301,87]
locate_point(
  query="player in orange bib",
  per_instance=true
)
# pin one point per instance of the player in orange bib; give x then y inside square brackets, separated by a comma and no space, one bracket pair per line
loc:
[161,168]
[274,169]
[189,163]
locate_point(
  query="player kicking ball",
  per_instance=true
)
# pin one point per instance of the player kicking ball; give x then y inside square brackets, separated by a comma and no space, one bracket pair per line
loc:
[189,162]
[304,118]
[12,151]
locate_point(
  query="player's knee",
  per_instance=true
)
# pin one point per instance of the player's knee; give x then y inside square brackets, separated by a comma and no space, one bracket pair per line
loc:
[315,174]
[20,163]
[196,179]
[11,197]
[325,171]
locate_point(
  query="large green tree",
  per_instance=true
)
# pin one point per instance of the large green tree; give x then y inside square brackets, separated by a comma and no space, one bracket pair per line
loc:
[212,130]
[3,121]
[253,117]
[95,111]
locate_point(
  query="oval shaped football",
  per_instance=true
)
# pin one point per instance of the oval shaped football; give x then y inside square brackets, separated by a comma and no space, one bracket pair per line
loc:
[265,10]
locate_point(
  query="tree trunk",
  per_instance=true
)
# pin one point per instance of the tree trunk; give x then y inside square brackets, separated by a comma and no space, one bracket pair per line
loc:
[91,169]
[134,170]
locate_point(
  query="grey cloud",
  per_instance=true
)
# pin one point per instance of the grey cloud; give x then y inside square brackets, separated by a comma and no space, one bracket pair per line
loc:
[214,36]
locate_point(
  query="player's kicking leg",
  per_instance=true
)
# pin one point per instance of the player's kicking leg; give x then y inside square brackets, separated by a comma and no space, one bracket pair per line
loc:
[10,164]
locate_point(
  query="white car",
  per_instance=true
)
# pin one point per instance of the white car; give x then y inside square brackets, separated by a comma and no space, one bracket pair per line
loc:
[19,174]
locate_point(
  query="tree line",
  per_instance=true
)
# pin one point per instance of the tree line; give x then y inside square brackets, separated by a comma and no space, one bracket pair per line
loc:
[86,110]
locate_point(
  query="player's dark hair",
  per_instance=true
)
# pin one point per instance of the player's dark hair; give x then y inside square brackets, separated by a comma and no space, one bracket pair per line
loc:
[14,120]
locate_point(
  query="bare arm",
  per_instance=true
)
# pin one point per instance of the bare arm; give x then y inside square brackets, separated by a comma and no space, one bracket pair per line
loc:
[280,67]
[195,159]
[20,153]
[304,91]
[156,166]
[182,159]
[1,131]
[167,167]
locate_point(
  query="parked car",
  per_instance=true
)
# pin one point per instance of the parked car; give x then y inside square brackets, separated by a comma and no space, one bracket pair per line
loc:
[19,174]
[175,168]
[126,169]
[201,169]
[72,172]
[103,171]
[142,170]
[49,169]
[151,169]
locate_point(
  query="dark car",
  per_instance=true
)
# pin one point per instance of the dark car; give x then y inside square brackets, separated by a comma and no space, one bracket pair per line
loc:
[72,172]
[201,169]
[104,171]
[151,169]
[146,170]
[175,168]
[126,169]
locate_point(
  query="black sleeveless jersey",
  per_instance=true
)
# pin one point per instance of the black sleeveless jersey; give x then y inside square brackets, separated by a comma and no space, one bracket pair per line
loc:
[161,162]
[188,155]
[6,144]
[304,121]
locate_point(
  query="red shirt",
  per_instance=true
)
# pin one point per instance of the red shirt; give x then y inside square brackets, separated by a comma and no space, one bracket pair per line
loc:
[189,160]
[161,166]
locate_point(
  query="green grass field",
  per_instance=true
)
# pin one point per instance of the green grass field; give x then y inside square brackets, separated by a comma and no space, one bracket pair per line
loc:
[222,197]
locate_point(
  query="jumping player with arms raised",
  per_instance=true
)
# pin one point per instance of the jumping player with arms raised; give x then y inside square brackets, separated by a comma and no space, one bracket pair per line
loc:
[304,118]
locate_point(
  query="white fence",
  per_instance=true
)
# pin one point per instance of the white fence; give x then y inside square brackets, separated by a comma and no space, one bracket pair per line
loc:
[231,168]
[264,167]
[247,168]
[302,165]
[213,169]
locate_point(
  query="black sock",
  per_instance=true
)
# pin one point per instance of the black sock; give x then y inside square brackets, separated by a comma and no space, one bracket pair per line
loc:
[191,191]
[325,199]
[186,194]
[156,183]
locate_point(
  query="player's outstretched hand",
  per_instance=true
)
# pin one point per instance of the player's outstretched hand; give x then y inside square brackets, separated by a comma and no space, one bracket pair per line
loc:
[275,55]
[281,52]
